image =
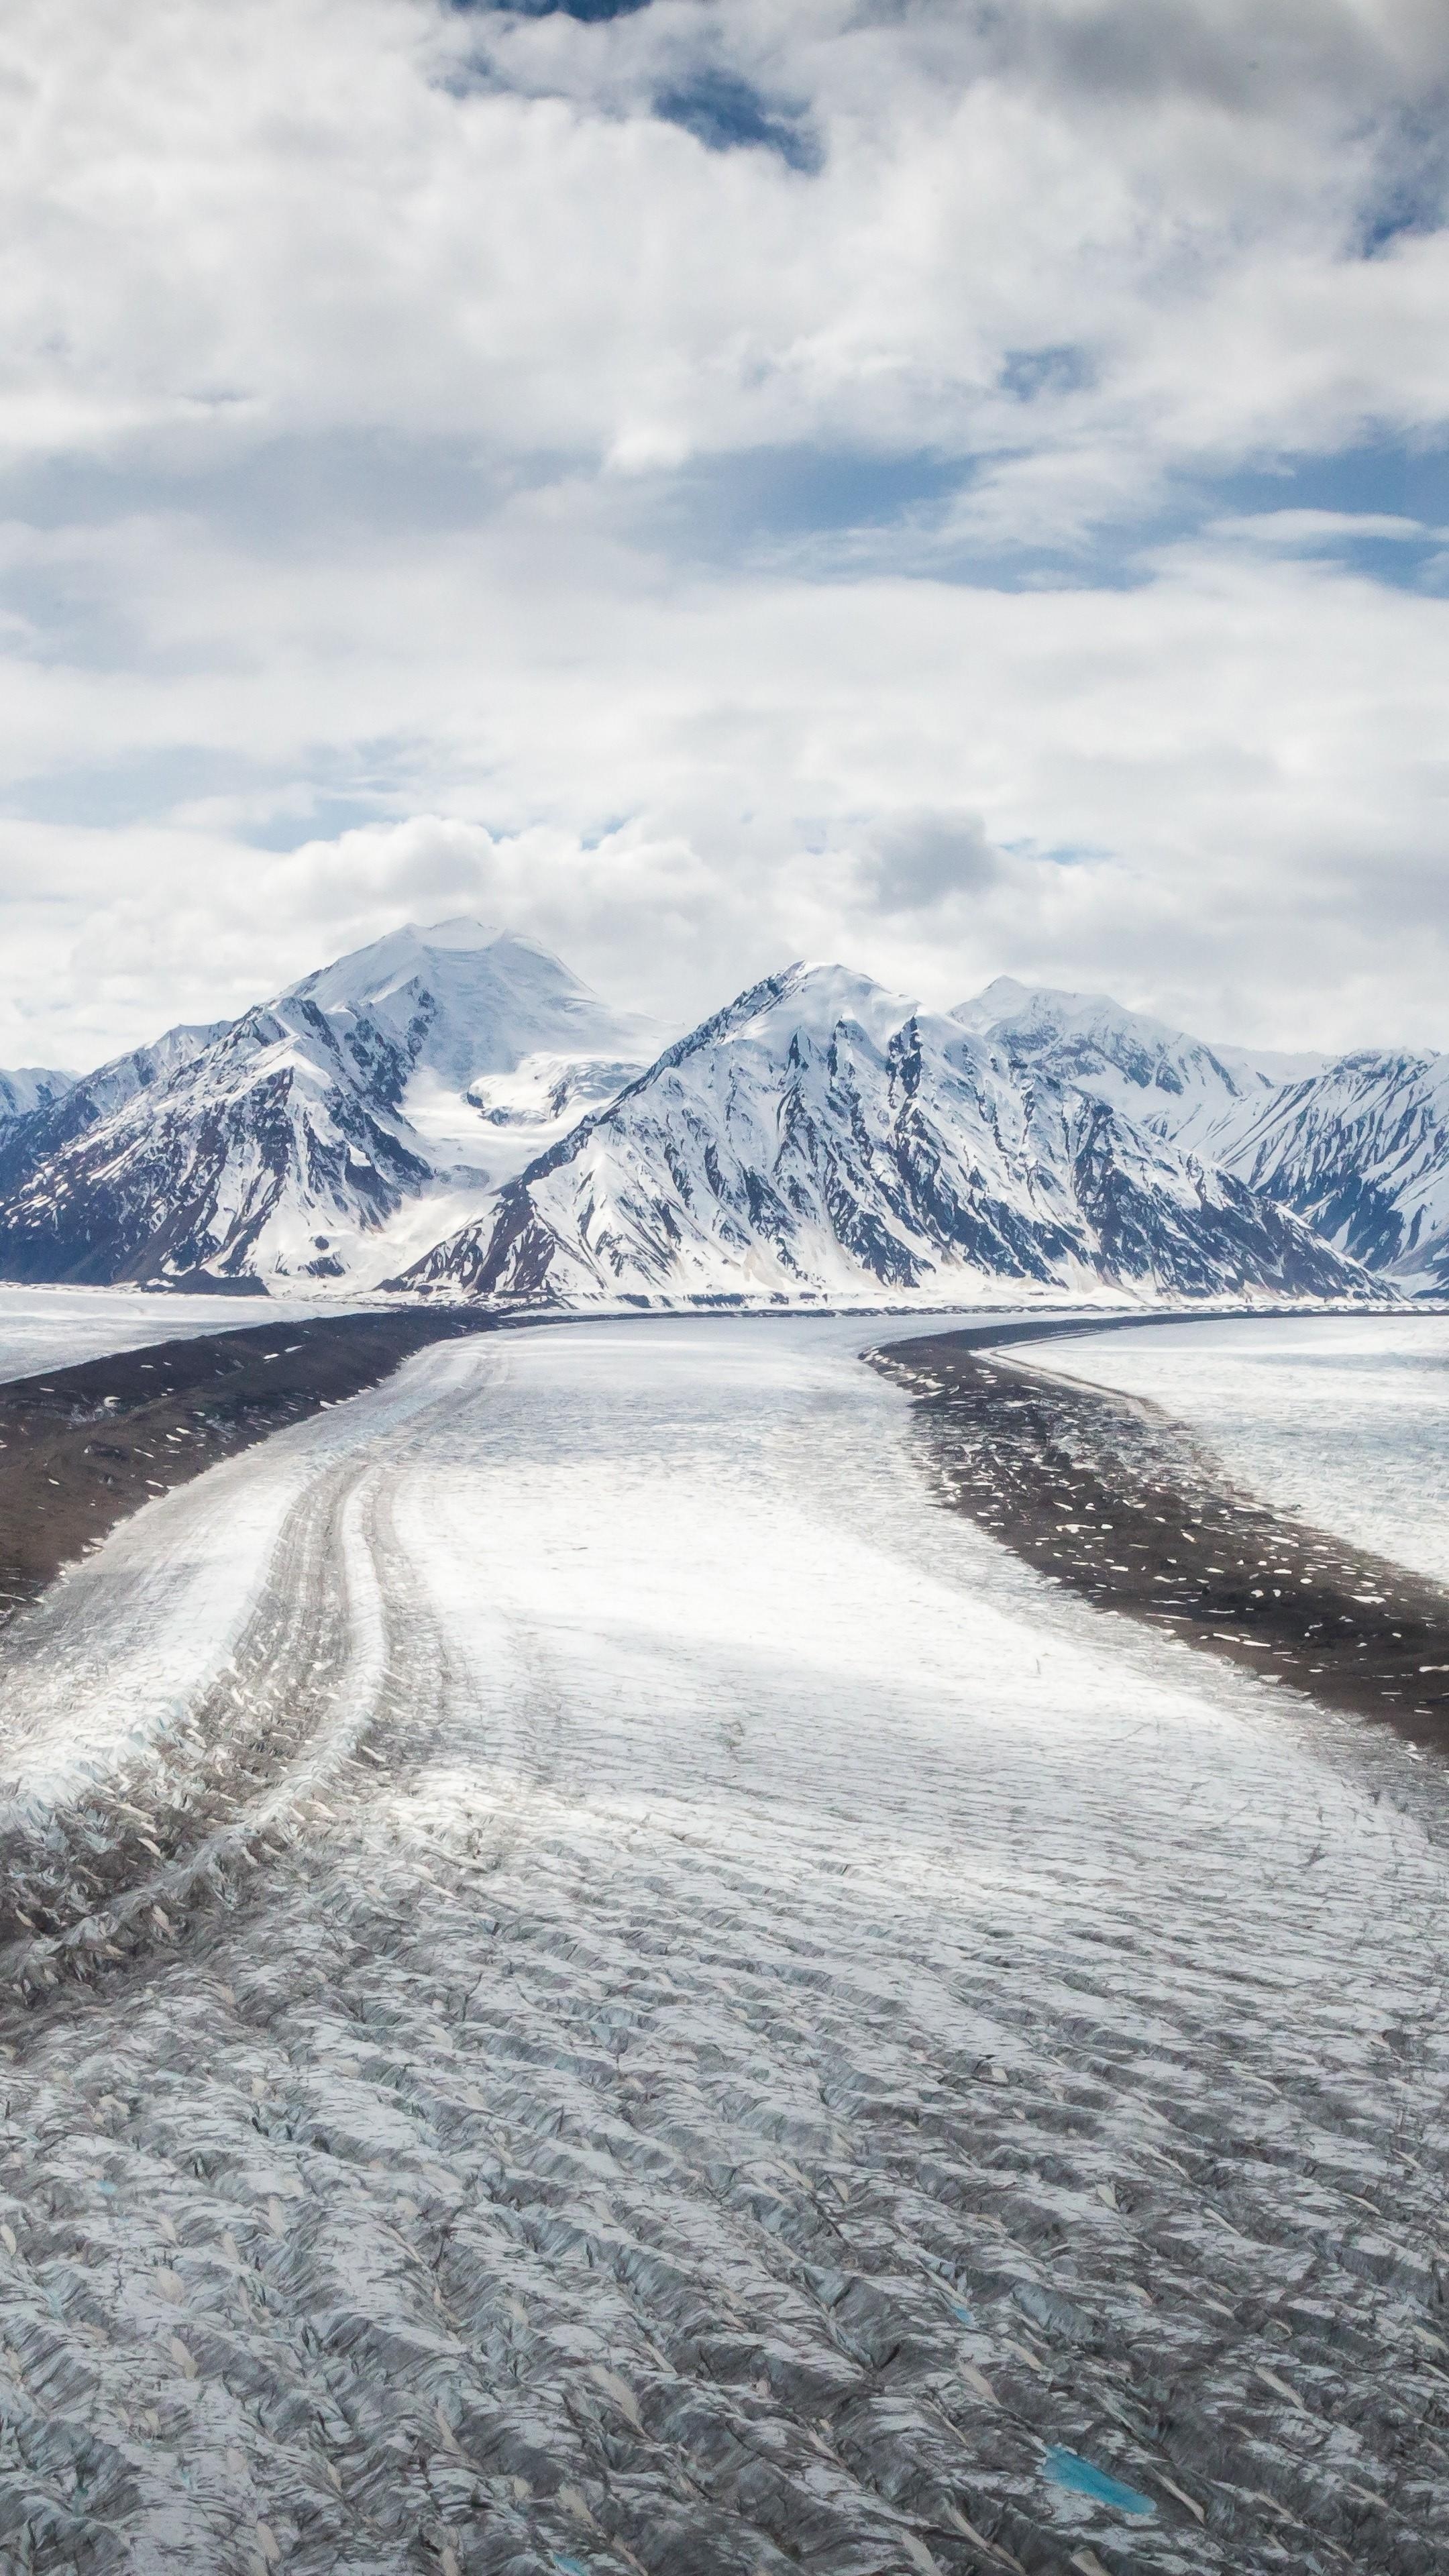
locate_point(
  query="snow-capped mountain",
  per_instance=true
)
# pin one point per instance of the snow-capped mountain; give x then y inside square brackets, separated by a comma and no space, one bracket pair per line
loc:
[394,1089]
[1203,1097]
[49,1129]
[823,1139]
[451,1109]
[1357,1145]
[1361,1151]
[30,1086]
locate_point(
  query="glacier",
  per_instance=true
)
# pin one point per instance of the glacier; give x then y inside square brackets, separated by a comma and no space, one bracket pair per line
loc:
[1343,1422]
[678,2006]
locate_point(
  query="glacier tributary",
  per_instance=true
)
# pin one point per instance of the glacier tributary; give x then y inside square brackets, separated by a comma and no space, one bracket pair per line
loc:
[52,1328]
[1342,1419]
[741,2030]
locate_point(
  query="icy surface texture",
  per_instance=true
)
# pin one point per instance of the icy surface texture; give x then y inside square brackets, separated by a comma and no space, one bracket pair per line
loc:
[1342,1419]
[712,2024]
[51,1328]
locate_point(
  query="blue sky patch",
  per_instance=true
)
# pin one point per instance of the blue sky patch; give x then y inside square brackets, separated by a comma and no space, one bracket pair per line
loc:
[1382,474]
[728,114]
[588,12]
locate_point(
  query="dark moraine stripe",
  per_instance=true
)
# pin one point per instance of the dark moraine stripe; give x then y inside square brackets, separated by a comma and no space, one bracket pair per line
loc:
[82,1447]
[1111,1497]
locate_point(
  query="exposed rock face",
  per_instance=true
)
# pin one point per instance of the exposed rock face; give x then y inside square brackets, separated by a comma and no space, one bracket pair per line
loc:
[452,1109]
[1362,1152]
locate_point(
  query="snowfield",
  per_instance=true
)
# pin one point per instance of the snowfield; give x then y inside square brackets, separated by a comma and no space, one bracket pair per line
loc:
[1343,1419]
[54,1328]
[687,2013]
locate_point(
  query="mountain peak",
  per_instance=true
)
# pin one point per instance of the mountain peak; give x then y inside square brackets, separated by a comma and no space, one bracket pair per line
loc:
[433,1061]
[816,996]
[1001,999]
[462,930]
[1006,1004]
[24,1087]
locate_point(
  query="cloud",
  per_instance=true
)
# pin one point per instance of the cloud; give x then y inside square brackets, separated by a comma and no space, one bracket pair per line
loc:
[522,228]
[714,484]
[1221,785]
[1318,528]
[916,862]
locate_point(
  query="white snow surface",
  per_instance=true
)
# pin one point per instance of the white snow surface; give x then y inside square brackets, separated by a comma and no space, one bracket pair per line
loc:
[56,1328]
[1201,1096]
[462,999]
[1362,1150]
[1341,1419]
[750,2026]
[1357,1145]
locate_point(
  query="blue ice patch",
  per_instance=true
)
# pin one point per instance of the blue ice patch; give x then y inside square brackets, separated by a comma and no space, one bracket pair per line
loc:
[1066,2470]
[964,2314]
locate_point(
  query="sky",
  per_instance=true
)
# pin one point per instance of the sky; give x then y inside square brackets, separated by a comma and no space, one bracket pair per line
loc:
[956,486]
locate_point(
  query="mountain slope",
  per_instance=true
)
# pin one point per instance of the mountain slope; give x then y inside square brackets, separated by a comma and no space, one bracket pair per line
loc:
[27,1087]
[1362,1152]
[822,1138]
[54,1126]
[1356,1145]
[284,1145]
[1202,1097]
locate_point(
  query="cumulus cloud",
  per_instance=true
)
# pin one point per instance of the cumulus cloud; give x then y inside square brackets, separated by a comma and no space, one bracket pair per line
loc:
[713,484]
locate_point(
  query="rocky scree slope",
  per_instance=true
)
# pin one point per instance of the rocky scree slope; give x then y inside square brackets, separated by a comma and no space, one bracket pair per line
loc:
[821,1138]
[402,1082]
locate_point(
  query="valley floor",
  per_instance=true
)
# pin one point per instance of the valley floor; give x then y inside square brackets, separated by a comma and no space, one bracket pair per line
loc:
[674,2006]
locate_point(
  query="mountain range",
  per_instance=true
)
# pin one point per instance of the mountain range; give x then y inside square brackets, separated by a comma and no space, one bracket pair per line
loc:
[451,1112]
[1356,1145]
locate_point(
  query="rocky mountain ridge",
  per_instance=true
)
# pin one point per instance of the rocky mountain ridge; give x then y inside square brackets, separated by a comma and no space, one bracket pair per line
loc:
[822,1140]
[450,1111]
[27,1087]
[1357,1145]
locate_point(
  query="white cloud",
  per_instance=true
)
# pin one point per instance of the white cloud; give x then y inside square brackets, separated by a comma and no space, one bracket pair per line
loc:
[1224,785]
[1315,528]
[281,217]
[375,377]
